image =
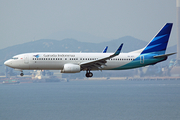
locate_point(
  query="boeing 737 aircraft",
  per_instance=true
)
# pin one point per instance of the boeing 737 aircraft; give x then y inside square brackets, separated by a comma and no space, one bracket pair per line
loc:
[151,54]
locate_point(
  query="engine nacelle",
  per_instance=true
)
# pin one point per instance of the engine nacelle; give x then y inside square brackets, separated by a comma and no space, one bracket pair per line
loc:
[71,68]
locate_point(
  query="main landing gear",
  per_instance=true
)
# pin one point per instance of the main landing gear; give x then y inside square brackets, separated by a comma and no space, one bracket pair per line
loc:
[89,74]
[21,74]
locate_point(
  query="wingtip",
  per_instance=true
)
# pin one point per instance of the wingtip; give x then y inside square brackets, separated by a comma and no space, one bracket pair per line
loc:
[105,49]
[119,49]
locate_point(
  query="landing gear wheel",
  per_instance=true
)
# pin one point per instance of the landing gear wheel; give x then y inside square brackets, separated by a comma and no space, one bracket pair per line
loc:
[21,74]
[89,74]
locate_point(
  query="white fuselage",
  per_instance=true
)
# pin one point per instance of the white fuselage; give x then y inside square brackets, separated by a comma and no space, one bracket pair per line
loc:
[56,61]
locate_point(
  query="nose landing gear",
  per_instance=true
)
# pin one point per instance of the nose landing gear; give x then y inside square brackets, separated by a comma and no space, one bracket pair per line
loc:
[89,74]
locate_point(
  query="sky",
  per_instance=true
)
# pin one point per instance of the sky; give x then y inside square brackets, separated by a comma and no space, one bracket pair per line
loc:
[23,21]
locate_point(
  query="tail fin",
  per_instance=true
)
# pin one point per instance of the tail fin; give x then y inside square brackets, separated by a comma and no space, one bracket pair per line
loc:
[159,42]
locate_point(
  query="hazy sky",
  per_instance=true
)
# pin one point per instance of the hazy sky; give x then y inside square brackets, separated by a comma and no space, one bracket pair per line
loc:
[23,20]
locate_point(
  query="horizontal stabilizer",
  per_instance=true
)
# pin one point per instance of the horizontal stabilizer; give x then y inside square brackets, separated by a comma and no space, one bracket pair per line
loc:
[165,55]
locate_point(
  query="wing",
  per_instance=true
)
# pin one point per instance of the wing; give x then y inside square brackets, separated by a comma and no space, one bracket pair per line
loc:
[97,64]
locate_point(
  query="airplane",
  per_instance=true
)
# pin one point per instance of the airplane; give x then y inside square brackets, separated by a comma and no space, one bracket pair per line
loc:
[152,53]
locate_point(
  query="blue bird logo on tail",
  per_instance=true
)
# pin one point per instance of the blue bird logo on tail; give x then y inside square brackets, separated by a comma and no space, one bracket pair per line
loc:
[159,43]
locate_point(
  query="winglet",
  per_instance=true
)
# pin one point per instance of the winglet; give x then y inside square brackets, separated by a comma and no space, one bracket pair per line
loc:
[105,49]
[117,51]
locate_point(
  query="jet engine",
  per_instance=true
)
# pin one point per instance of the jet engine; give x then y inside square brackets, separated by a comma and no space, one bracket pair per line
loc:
[71,68]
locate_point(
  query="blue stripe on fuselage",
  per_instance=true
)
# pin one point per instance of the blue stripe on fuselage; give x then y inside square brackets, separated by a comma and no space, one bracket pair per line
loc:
[139,62]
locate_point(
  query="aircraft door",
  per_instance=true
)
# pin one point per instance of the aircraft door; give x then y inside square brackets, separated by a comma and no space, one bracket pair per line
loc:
[142,59]
[26,59]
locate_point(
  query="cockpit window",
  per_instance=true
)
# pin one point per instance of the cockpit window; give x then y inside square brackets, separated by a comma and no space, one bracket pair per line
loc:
[15,58]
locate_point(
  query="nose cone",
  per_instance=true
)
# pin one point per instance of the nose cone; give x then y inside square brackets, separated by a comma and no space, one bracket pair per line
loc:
[8,63]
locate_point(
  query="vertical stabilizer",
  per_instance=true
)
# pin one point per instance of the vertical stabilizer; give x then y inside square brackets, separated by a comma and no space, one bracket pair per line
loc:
[159,43]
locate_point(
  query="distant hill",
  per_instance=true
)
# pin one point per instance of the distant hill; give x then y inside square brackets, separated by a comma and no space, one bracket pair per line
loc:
[72,45]
[80,36]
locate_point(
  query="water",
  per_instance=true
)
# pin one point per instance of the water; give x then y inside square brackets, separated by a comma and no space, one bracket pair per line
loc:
[91,100]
